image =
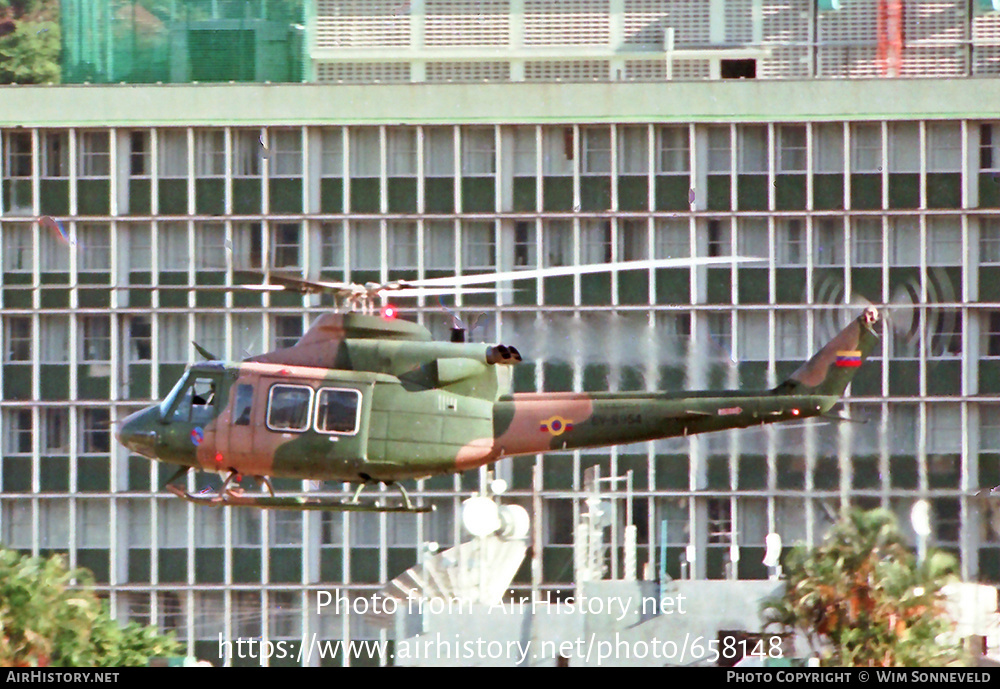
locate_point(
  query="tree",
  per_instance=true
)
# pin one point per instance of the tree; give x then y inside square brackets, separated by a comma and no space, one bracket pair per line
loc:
[47,619]
[29,42]
[30,54]
[19,8]
[861,599]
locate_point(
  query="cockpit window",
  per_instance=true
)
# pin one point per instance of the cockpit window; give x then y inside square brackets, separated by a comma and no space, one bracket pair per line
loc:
[288,407]
[168,401]
[337,410]
[193,399]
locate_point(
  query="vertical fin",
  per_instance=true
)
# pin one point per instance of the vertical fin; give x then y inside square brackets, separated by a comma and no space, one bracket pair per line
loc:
[831,369]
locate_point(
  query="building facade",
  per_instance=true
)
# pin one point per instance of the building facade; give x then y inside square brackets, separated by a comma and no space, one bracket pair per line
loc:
[359,41]
[849,190]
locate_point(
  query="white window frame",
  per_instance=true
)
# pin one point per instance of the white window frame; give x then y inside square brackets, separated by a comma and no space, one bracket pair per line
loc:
[95,425]
[95,339]
[94,247]
[595,155]
[281,249]
[286,153]
[172,153]
[270,401]
[17,347]
[401,152]
[54,150]
[16,155]
[94,154]
[18,248]
[16,432]
[479,152]
[792,156]
[210,153]
[247,153]
[357,416]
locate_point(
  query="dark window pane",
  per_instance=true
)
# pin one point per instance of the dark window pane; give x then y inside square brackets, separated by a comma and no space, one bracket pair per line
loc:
[288,408]
[337,411]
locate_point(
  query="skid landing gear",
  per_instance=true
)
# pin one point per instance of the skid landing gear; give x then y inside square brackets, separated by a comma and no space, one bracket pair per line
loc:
[407,506]
[233,495]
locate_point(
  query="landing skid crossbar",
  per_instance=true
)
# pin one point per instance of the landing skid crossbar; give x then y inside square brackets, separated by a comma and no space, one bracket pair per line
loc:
[292,503]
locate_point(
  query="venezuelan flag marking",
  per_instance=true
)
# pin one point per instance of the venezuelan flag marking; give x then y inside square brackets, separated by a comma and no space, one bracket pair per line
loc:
[848,359]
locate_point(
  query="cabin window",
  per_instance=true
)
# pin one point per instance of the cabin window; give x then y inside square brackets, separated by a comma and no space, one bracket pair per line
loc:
[288,407]
[337,411]
[241,409]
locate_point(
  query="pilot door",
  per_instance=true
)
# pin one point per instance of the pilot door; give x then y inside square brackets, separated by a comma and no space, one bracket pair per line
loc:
[235,438]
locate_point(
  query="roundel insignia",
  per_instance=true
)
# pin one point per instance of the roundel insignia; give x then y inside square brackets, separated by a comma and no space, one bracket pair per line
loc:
[197,435]
[556,425]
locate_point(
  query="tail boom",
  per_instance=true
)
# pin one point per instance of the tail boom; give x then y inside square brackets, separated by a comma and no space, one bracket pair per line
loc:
[541,422]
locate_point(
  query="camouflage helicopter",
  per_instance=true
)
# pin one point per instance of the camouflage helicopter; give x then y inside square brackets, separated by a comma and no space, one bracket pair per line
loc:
[366,398]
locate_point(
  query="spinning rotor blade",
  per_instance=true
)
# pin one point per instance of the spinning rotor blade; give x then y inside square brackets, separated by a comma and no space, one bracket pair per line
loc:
[559,271]
[430,291]
[342,289]
[444,285]
[189,288]
[346,289]
[303,286]
[917,311]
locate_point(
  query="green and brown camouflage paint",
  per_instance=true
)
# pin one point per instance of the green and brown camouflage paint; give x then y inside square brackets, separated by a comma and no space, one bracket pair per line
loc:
[430,407]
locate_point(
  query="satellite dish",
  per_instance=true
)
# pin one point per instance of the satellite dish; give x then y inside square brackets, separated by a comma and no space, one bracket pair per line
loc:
[920,517]
[772,543]
[480,516]
[515,522]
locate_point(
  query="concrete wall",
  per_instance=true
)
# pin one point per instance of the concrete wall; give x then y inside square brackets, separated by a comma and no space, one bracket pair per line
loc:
[290,104]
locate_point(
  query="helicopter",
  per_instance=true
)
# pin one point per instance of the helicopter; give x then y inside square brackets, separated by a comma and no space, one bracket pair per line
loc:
[365,398]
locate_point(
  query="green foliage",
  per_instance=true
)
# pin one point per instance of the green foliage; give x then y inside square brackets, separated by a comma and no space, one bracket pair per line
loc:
[30,55]
[861,599]
[50,616]
[22,7]
[35,10]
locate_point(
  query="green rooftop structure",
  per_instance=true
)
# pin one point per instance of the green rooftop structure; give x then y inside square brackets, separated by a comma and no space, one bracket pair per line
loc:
[175,41]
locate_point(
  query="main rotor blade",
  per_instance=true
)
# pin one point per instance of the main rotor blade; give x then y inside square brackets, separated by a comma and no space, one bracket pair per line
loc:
[297,284]
[275,282]
[398,289]
[559,271]
[432,291]
[394,289]
[189,288]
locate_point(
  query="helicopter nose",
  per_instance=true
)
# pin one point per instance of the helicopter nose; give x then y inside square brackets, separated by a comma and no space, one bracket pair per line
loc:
[138,433]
